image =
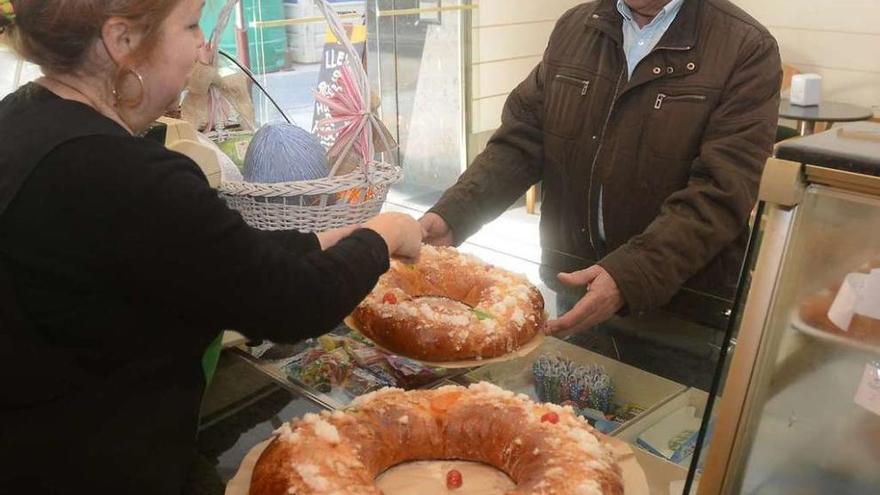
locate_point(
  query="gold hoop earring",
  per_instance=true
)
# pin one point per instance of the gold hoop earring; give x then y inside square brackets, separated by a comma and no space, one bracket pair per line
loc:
[120,76]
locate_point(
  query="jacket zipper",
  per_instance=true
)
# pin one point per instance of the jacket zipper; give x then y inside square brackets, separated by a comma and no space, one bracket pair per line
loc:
[602,139]
[596,158]
[661,97]
[673,48]
[585,85]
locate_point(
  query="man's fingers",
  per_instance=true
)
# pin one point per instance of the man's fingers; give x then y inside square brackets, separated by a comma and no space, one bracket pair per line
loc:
[435,231]
[580,278]
[601,301]
[577,317]
[587,324]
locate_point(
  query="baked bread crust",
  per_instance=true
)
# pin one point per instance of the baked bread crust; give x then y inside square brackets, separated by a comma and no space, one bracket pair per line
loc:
[450,306]
[544,448]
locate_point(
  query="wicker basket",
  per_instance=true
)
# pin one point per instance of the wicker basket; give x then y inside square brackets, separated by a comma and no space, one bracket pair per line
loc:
[313,205]
[331,202]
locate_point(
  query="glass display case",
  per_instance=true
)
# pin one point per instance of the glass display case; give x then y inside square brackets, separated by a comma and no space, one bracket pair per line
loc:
[417,56]
[801,409]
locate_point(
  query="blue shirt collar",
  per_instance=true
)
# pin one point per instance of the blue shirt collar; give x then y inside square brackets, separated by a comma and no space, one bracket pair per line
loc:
[670,8]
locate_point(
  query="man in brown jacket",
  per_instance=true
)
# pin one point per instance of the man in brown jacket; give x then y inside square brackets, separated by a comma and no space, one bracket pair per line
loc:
[650,166]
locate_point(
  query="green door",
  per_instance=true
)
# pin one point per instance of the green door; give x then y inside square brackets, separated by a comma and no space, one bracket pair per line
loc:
[267,46]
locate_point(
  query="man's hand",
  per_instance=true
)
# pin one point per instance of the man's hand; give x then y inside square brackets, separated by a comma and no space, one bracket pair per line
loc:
[601,301]
[435,230]
[402,234]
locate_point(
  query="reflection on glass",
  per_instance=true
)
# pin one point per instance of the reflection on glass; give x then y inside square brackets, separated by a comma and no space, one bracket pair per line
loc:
[416,58]
[811,434]
[285,50]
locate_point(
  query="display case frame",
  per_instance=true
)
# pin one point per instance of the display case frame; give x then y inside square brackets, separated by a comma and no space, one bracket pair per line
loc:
[773,362]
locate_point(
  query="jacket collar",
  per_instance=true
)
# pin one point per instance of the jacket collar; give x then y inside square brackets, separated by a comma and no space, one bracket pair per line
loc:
[681,35]
[607,19]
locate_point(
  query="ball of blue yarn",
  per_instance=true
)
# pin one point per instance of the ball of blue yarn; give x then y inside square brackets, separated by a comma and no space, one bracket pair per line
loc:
[284,153]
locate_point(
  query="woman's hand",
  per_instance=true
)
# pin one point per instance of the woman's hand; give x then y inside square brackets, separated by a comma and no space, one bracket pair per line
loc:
[402,234]
[435,230]
[601,301]
[329,238]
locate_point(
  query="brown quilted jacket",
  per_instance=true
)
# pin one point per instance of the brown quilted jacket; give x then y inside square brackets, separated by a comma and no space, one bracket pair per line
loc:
[676,151]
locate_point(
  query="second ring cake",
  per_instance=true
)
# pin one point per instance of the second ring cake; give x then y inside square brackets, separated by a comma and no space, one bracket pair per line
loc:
[450,306]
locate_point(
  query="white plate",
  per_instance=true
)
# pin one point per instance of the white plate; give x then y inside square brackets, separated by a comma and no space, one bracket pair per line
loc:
[800,325]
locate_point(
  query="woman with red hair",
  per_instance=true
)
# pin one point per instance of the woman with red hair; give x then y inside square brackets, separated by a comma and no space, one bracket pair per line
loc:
[119,264]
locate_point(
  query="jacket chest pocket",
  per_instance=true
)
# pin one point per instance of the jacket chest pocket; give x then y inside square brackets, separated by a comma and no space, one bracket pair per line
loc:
[676,119]
[568,102]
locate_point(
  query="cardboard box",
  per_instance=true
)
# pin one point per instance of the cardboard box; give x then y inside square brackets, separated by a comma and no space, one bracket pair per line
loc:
[693,398]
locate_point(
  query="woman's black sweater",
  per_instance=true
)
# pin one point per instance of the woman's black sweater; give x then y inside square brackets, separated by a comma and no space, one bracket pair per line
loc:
[124,265]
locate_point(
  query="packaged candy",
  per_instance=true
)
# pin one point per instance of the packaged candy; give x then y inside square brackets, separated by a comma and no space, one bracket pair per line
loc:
[348,363]
[362,381]
[559,380]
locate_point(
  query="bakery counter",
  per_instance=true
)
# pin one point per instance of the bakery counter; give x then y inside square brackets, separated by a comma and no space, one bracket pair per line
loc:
[644,378]
[679,343]
[244,405]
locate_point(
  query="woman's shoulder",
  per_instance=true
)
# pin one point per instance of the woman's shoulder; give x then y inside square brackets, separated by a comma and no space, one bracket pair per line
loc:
[33,106]
[72,128]
[128,168]
[132,155]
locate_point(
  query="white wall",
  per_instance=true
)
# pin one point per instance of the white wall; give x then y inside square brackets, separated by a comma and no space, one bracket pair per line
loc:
[838,39]
[14,72]
[509,37]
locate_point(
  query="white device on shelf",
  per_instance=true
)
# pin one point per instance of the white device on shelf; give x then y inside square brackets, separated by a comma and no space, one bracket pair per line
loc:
[181,136]
[806,89]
